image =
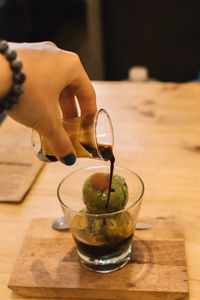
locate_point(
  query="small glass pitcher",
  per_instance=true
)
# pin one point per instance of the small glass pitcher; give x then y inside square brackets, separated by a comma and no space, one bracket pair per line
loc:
[91,135]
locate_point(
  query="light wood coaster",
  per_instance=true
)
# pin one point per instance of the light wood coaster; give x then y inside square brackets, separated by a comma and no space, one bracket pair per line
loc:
[48,266]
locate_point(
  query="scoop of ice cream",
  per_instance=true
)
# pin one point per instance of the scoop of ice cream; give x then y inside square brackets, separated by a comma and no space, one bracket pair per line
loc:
[111,227]
[95,193]
[99,230]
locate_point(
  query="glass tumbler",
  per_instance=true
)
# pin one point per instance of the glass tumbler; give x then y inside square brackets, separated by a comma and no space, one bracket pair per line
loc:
[103,240]
[90,135]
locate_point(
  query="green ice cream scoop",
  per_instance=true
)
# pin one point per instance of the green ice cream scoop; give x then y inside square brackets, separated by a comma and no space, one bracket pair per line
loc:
[95,193]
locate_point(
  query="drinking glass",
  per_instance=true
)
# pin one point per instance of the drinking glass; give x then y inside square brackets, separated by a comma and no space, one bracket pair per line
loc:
[103,241]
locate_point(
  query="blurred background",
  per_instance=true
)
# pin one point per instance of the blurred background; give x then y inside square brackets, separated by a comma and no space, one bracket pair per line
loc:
[113,36]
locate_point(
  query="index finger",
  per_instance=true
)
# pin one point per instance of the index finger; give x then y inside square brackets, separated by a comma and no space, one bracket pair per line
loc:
[84,91]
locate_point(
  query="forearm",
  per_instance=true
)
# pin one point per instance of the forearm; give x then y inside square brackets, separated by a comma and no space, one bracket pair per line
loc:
[5,77]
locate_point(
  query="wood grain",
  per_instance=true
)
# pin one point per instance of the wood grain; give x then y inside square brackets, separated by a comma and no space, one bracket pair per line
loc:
[48,265]
[162,148]
[18,166]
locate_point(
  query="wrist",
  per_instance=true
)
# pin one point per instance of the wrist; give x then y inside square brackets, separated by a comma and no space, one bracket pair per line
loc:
[5,77]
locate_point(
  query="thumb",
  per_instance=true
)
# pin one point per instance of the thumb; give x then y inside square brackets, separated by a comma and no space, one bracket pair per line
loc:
[61,145]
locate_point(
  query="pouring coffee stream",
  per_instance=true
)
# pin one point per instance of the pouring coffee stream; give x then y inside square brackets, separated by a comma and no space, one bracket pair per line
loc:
[107,154]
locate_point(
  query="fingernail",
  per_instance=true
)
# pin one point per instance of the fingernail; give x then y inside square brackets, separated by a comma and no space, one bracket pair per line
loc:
[68,159]
[51,158]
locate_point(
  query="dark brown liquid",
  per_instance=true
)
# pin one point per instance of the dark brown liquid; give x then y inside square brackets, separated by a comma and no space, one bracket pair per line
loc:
[107,154]
[90,149]
[118,247]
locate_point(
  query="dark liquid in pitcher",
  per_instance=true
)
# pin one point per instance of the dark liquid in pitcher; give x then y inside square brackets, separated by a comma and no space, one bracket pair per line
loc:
[119,246]
[107,154]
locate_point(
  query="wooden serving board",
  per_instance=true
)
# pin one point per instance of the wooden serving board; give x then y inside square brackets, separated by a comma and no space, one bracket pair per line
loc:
[48,266]
[19,166]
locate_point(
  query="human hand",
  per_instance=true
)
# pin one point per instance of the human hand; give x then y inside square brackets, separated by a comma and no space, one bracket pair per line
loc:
[53,78]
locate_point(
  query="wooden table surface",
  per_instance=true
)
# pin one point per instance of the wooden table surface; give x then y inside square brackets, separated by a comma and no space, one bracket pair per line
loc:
[157,135]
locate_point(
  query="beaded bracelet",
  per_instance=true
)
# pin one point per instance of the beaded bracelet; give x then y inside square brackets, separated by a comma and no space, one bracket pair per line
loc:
[18,77]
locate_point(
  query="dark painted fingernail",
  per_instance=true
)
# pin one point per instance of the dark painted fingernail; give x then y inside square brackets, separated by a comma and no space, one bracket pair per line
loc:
[51,158]
[68,159]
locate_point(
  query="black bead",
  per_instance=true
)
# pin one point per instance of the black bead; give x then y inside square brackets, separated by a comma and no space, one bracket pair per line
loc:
[14,99]
[17,89]
[9,106]
[11,55]
[16,66]
[5,104]
[1,106]
[19,77]
[3,46]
